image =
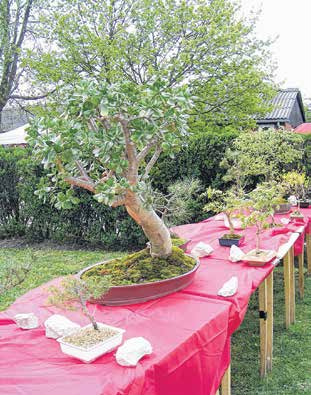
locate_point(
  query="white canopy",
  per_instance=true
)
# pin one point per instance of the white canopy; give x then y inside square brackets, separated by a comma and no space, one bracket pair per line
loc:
[16,136]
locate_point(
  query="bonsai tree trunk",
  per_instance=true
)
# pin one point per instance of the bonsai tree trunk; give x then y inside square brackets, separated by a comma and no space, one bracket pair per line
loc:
[152,225]
[231,227]
[257,240]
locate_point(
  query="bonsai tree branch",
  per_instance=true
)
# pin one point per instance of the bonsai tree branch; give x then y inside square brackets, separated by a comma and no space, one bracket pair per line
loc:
[152,162]
[80,182]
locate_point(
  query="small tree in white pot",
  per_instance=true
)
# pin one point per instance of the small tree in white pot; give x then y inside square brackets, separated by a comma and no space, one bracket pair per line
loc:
[95,339]
[260,203]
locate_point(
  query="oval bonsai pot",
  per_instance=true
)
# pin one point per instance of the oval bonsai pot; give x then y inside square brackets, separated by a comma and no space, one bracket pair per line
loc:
[139,293]
[282,208]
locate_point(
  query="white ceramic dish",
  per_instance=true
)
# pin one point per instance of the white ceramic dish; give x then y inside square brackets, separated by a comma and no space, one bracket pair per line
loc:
[88,355]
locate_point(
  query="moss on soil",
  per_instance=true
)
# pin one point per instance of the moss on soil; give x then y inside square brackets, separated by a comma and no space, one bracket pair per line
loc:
[140,267]
[231,236]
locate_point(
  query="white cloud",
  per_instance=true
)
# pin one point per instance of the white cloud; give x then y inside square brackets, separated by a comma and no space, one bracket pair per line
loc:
[290,21]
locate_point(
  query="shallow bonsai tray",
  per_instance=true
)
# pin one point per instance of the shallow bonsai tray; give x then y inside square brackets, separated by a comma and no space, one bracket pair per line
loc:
[139,293]
[283,208]
[89,355]
[254,259]
[226,242]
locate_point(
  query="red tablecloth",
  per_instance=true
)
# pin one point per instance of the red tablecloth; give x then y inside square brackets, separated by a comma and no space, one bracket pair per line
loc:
[189,330]
[210,230]
[189,335]
[213,273]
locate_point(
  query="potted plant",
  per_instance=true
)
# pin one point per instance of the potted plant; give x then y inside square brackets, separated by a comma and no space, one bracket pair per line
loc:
[260,204]
[106,138]
[297,184]
[229,203]
[95,339]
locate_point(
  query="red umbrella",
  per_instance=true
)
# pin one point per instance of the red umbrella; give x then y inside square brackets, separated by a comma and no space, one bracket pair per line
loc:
[304,128]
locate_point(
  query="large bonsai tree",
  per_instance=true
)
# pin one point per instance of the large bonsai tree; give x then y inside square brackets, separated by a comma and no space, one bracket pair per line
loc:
[106,138]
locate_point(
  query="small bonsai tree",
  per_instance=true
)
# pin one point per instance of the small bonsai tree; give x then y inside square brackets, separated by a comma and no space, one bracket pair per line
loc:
[230,203]
[261,202]
[73,294]
[297,184]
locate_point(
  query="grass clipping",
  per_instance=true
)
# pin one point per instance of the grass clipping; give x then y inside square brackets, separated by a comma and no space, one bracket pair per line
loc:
[140,267]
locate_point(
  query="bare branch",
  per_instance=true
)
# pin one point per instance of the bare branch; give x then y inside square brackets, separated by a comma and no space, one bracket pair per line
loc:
[106,175]
[21,97]
[152,161]
[79,182]
[144,152]
[82,171]
[119,201]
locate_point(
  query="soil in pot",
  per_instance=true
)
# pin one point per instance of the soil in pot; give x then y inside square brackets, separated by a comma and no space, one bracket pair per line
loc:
[87,344]
[140,267]
[89,337]
[228,240]
[259,258]
[296,214]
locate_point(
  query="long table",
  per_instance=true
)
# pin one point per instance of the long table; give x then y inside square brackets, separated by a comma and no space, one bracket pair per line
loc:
[190,330]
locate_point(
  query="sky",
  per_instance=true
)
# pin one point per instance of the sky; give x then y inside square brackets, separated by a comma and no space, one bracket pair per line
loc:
[290,21]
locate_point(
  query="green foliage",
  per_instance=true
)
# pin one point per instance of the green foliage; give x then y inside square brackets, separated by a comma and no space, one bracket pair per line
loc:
[73,294]
[14,272]
[107,130]
[260,207]
[296,183]
[179,204]
[307,154]
[198,158]
[230,202]
[262,155]
[23,214]
[139,40]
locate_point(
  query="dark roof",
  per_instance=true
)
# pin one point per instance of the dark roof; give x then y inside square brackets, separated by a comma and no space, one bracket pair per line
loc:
[283,104]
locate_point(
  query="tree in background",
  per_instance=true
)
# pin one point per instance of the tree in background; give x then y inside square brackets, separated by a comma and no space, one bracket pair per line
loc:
[204,43]
[17,31]
[262,155]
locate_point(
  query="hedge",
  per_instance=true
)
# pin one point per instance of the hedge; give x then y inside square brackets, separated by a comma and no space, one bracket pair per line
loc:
[22,213]
[90,223]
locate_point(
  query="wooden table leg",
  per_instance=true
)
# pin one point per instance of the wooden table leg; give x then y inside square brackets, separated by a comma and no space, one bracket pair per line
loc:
[287,285]
[301,275]
[308,242]
[269,321]
[226,382]
[292,288]
[263,307]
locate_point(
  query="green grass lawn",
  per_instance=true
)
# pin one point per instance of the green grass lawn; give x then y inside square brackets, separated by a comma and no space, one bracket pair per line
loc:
[291,372]
[49,264]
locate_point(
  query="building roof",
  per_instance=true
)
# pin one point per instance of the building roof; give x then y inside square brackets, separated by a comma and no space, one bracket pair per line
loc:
[304,128]
[283,104]
[14,137]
